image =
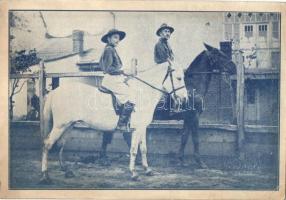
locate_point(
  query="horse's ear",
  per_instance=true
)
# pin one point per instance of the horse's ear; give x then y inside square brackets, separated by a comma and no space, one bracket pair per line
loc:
[208,47]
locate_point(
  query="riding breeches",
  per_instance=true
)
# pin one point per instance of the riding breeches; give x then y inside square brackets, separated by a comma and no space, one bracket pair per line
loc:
[121,90]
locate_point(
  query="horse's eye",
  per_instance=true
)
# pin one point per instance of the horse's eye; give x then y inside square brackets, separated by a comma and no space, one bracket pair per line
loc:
[179,78]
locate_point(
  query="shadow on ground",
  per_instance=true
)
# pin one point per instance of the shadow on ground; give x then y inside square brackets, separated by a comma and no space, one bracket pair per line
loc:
[92,173]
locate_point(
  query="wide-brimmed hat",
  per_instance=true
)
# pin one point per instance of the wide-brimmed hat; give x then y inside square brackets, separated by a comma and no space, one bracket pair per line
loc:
[164,26]
[121,34]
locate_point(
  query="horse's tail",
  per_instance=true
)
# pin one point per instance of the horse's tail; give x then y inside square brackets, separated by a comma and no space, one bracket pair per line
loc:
[48,117]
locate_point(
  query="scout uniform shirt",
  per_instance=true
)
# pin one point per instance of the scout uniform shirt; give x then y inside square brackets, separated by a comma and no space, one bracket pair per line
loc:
[114,80]
[163,51]
[110,62]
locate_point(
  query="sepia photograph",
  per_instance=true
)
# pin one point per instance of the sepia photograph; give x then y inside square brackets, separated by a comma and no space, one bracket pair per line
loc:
[144,100]
[119,101]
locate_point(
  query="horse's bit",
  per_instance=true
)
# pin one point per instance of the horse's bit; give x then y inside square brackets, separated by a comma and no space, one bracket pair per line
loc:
[213,61]
[170,73]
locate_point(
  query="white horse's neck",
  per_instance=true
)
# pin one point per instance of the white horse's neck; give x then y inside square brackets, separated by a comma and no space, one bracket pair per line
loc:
[155,75]
[148,96]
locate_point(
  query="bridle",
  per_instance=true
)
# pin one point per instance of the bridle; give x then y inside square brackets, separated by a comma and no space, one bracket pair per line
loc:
[169,73]
[214,62]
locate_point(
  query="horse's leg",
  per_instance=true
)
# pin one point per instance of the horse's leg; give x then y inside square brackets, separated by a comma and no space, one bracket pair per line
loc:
[61,159]
[195,137]
[106,139]
[127,139]
[135,140]
[143,150]
[55,134]
[64,167]
[184,140]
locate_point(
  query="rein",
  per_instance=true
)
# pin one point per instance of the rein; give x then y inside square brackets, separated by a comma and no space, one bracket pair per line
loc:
[150,85]
[169,73]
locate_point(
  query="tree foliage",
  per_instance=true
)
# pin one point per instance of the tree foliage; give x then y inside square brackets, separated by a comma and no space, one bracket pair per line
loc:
[22,60]
[20,63]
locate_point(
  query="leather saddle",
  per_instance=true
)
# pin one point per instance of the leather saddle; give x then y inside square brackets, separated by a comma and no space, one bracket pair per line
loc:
[116,104]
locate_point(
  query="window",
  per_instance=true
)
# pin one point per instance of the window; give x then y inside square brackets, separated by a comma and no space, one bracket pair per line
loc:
[249,17]
[248,31]
[261,17]
[228,31]
[273,16]
[275,30]
[236,31]
[275,60]
[262,30]
[231,31]
[228,17]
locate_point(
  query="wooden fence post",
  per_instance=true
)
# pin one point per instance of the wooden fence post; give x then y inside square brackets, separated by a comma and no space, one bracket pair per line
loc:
[42,89]
[240,102]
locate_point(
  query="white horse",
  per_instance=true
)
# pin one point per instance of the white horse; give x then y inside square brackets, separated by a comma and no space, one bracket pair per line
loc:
[79,102]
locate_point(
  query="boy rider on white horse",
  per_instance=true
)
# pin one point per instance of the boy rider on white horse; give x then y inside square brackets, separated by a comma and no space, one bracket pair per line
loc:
[114,80]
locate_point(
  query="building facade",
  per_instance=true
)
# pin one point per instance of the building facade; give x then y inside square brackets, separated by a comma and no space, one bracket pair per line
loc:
[257,36]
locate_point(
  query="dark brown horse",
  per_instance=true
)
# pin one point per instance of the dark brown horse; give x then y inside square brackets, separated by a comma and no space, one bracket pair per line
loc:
[197,79]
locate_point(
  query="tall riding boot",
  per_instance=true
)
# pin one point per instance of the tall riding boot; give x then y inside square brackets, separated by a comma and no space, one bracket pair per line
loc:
[124,117]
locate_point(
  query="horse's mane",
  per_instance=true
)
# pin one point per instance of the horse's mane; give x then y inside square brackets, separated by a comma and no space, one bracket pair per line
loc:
[198,57]
[193,66]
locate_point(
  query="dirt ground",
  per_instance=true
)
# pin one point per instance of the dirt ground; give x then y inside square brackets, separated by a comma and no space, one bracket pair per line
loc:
[168,174]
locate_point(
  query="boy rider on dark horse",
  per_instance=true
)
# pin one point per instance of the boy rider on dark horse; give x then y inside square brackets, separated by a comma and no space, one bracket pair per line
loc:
[114,78]
[163,51]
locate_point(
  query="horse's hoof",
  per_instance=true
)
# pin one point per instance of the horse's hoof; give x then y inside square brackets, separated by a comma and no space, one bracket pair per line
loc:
[181,158]
[199,162]
[135,177]
[183,164]
[149,172]
[45,181]
[69,174]
[105,162]
[102,155]
[203,166]
[63,168]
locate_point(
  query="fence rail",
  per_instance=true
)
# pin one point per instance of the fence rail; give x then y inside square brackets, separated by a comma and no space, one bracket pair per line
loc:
[174,124]
[74,74]
[23,76]
[57,75]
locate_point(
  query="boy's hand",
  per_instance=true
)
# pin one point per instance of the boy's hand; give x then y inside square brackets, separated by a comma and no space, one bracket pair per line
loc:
[171,64]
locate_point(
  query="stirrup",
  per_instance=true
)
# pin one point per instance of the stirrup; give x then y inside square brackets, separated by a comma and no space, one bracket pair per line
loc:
[125,129]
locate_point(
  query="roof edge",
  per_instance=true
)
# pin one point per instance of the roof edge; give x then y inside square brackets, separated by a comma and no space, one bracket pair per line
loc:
[66,56]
